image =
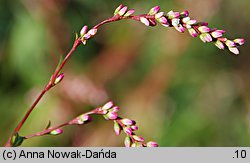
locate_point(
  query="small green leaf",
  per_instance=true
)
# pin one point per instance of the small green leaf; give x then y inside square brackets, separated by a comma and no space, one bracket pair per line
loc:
[16,140]
[48,125]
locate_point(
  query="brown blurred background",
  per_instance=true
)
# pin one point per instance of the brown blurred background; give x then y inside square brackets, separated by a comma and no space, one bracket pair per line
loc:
[180,91]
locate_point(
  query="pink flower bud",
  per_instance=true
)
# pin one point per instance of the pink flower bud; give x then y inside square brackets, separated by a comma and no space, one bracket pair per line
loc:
[219,44]
[92,32]
[230,43]
[123,11]
[83,30]
[192,32]
[127,141]
[152,144]
[185,13]
[115,109]
[180,28]
[130,12]
[239,41]
[118,9]
[217,33]
[172,14]
[127,130]
[127,122]
[138,138]
[144,21]
[204,29]
[59,78]
[186,19]
[192,22]
[108,105]
[112,115]
[117,128]
[56,132]
[134,127]
[154,10]
[234,50]
[159,15]
[164,21]
[206,37]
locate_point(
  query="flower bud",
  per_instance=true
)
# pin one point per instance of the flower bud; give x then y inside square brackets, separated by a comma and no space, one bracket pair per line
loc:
[159,15]
[219,44]
[175,22]
[192,32]
[83,30]
[127,141]
[127,122]
[144,21]
[134,127]
[127,130]
[130,12]
[234,50]
[138,138]
[217,33]
[59,78]
[239,41]
[108,105]
[56,132]
[185,13]
[117,128]
[123,11]
[172,14]
[154,10]
[204,29]
[112,115]
[118,9]
[152,144]
[92,32]
[206,37]
[230,43]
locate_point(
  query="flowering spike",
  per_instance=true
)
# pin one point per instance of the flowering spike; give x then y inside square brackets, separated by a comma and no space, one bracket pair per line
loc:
[130,12]
[59,78]
[154,10]
[127,141]
[123,11]
[152,144]
[56,132]
[144,21]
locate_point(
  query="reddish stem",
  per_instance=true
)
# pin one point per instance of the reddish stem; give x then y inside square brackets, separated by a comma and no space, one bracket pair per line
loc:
[54,76]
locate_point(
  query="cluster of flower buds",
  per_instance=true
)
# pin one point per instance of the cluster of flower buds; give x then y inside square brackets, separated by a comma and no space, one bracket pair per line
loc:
[131,140]
[181,21]
[85,34]
[109,111]
[82,119]
[122,11]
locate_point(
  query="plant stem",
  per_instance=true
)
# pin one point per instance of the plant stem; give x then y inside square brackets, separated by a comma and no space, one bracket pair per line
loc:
[57,71]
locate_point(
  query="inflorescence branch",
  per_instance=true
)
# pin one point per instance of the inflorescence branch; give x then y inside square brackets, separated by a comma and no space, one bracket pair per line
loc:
[179,20]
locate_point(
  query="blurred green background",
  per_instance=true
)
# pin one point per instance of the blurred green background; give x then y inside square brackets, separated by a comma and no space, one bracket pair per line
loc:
[180,91]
